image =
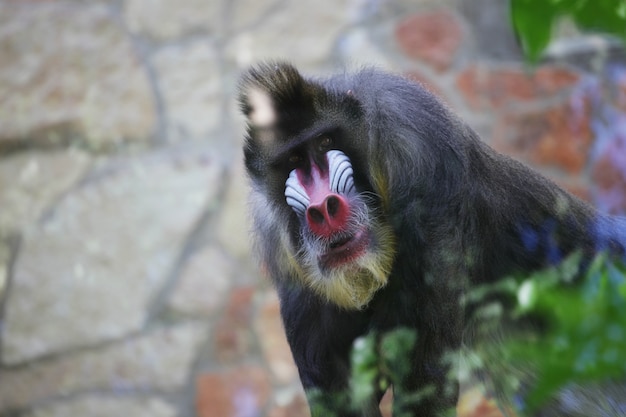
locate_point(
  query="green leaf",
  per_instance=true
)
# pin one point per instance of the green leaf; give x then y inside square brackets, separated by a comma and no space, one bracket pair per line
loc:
[585,339]
[608,16]
[395,348]
[532,21]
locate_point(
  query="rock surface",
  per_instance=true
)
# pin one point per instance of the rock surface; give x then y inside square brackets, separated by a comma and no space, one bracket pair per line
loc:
[158,360]
[106,407]
[68,73]
[170,20]
[190,84]
[29,183]
[114,240]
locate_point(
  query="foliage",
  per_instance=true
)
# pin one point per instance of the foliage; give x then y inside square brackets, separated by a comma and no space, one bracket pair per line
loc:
[380,362]
[583,338]
[377,362]
[586,337]
[533,20]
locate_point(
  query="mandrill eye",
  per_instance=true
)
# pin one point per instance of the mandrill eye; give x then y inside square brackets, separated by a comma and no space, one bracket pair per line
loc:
[324,144]
[295,159]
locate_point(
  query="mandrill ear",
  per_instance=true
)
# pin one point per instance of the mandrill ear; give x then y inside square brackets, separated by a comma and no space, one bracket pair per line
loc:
[259,108]
[271,94]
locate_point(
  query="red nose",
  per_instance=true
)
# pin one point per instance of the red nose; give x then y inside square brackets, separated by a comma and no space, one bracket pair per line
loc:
[329,216]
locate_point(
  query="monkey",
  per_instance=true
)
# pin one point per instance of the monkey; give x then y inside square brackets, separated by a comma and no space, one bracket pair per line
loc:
[374,207]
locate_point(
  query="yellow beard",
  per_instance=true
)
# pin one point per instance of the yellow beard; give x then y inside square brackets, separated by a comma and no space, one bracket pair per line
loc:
[351,286]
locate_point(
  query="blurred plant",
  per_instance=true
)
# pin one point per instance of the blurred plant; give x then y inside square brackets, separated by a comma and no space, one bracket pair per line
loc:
[584,337]
[533,20]
[379,362]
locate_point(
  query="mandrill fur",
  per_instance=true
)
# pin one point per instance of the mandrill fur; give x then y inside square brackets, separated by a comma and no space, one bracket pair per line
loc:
[375,208]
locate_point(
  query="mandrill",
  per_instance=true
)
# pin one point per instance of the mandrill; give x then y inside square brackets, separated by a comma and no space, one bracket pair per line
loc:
[375,208]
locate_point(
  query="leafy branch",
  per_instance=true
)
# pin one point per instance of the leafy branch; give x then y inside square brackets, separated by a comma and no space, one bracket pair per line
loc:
[533,20]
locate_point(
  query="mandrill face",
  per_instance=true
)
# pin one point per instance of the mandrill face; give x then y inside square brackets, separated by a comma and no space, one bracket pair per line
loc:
[346,252]
[336,239]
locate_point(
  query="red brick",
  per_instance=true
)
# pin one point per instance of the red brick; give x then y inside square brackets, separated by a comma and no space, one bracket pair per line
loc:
[271,336]
[240,305]
[232,337]
[486,88]
[432,37]
[243,391]
[558,137]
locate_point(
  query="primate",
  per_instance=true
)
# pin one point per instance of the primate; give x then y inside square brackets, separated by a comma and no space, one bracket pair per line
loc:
[374,207]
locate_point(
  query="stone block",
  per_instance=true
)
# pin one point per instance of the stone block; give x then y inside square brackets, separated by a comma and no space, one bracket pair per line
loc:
[491,89]
[232,337]
[5,258]
[204,282]
[492,31]
[96,406]
[158,360]
[558,137]
[234,226]
[358,49]
[242,391]
[271,336]
[69,71]
[305,32]
[90,269]
[169,20]
[433,37]
[190,82]
[30,183]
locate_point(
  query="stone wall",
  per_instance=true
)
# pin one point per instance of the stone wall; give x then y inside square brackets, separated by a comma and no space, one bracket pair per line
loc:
[126,282]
